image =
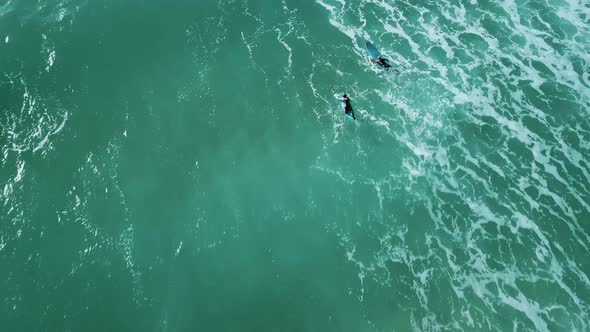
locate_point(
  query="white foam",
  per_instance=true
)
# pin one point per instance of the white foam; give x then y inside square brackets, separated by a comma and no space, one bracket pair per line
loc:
[50,60]
[530,308]
[281,40]
[444,160]
[178,249]
[20,171]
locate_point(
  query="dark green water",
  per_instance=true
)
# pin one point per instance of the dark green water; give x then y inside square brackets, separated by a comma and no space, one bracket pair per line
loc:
[184,166]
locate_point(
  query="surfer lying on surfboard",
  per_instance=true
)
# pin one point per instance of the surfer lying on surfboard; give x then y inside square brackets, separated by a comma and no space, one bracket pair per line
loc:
[381,62]
[375,57]
[347,106]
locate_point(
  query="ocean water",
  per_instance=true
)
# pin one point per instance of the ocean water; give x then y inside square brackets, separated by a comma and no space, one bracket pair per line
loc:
[184,166]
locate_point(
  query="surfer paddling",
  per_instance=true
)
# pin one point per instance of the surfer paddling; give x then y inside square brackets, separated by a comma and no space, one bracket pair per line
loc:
[347,106]
[381,62]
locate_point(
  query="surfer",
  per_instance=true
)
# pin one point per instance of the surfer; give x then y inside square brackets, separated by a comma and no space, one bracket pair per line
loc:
[348,107]
[381,62]
[376,57]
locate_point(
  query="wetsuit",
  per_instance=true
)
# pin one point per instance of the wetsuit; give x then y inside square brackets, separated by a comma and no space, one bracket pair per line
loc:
[383,63]
[348,107]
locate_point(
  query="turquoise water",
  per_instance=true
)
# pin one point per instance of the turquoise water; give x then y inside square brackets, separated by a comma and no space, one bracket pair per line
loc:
[184,166]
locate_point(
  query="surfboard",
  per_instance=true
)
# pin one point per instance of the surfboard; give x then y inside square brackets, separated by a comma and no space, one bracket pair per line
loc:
[373,51]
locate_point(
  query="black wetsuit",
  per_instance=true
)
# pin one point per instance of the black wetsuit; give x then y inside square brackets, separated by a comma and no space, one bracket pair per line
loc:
[383,63]
[348,107]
